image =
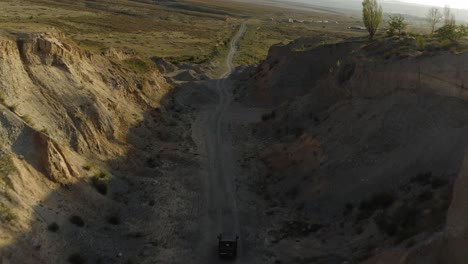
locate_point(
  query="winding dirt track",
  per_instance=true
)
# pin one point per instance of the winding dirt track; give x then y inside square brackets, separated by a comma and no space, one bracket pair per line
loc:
[220,211]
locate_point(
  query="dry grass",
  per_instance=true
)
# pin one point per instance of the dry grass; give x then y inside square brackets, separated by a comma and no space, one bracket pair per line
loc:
[263,33]
[149,29]
[191,31]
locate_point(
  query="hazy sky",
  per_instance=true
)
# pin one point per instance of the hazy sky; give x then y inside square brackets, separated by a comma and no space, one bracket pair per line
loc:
[451,3]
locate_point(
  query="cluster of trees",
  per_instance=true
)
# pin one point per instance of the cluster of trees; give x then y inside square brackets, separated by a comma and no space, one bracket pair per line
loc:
[450,30]
[372,15]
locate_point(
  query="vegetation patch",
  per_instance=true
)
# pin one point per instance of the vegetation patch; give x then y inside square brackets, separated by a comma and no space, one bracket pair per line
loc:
[422,178]
[54,227]
[45,131]
[6,168]
[269,116]
[137,65]
[452,32]
[76,259]
[438,182]
[6,214]
[87,167]
[381,200]
[421,43]
[402,223]
[151,163]
[425,196]
[113,220]
[180,60]
[99,181]
[298,229]
[27,119]
[78,221]
[349,207]
[201,9]
[402,215]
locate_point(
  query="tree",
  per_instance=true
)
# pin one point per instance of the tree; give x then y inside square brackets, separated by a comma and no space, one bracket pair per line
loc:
[434,17]
[397,23]
[452,32]
[449,18]
[372,16]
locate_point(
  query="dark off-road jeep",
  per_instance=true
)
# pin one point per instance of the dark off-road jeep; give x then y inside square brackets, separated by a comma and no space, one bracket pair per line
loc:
[227,245]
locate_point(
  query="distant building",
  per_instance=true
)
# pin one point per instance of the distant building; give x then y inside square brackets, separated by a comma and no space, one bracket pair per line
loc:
[287,20]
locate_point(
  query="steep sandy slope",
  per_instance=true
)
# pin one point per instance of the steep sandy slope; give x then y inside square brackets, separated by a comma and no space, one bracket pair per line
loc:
[92,149]
[361,157]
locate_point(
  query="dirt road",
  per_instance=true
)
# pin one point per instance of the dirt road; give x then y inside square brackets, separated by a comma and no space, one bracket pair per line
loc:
[219,208]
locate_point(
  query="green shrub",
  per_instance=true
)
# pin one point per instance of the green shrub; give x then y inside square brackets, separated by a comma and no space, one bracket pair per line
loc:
[396,24]
[402,224]
[99,181]
[87,167]
[385,224]
[78,221]
[180,60]
[113,220]
[151,162]
[45,131]
[27,119]
[452,32]
[76,259]
[6,164]
[54,227]
[268,116]
[421,43]
[422,178]
[348,209]
[137,64]
[381,200]
[437,183]
[6,215]
[425,196]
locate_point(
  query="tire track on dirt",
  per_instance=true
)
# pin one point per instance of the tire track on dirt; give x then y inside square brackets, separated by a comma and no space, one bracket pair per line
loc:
[220,211]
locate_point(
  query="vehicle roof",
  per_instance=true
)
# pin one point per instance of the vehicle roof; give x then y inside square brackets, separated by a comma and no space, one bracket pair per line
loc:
[228,237]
